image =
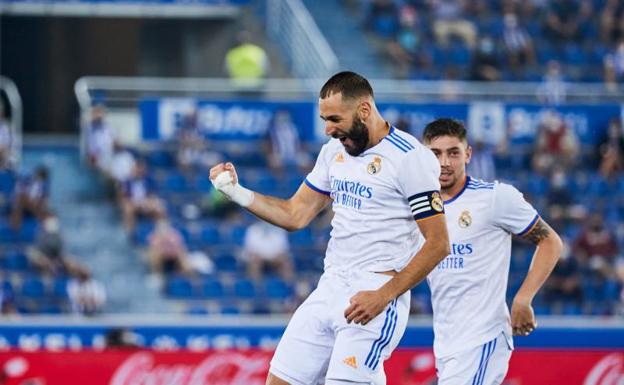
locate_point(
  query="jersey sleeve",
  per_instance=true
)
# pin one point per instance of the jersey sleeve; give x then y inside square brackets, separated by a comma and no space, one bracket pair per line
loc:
[318,178]
[512,212]
[419,182]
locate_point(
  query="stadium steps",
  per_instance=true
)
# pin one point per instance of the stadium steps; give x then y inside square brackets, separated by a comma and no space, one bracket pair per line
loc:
[91,226]
[348,39]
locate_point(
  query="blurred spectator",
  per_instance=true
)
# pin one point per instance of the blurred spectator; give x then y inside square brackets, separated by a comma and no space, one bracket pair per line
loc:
[267,245]
[286,149]
[611,149]
[122,338]
[31,197]
[481,164]
[553,88]
[518,43]
[193,149]
[100,139]
[614,66]
[381,17]
[612,21]
[86,295]
[121,164]
[7,300]
[247,64]
[6,140]
[564,284]
[450,20]
[556,144]
[167,251]
[567,20]
[406,49]
[48,253]
[596,248]
[139,197]
[485,64]
[560,203]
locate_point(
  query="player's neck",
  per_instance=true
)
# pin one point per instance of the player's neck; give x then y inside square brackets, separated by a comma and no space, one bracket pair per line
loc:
[381,128]
[453,191]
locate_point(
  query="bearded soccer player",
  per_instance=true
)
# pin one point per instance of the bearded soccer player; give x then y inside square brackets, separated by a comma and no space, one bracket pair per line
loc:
[472,325]
[388,233]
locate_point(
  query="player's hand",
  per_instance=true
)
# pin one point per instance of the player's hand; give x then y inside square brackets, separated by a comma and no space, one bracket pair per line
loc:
[221,167]
[522,317]
[365,305]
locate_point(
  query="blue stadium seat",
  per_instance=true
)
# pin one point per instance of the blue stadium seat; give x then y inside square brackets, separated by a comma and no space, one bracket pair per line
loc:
[234,234]
[210,235]
[230,309]
[301,238]
[197,310]
[225,262]
[244,288]
[7,182]
[571,309]
[59,287]
[175,183]
[51,308]
[276,288]
[203,184]
[142,232]
[611,291]
[33,287]
[15,260]
[179,287]
[212,289]
[160,159]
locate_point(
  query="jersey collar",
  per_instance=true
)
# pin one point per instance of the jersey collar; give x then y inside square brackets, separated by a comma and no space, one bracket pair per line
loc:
[460,192]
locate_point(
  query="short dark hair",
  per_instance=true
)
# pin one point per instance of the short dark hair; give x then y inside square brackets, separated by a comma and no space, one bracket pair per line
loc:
[444,127]
[349,84]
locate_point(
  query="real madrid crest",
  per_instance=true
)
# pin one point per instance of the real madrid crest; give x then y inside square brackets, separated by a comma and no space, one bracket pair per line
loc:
[375,166]
[436,202]
[465,220]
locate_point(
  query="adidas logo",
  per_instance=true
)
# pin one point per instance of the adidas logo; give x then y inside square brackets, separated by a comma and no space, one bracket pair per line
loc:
[340,157]
[350,361]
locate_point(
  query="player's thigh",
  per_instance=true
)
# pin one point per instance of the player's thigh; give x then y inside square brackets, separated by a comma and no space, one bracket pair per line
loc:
[360,351]
[483,365]
[303,353]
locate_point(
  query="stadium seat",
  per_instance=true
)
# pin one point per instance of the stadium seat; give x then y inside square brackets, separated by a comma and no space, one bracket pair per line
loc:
[59,287]
[179,287]
[210,235]
[160,159]
[244,288]
[301,238]
[15,260]
[211,288]
[33,287]
[175,183]
[276,288]
[225,262]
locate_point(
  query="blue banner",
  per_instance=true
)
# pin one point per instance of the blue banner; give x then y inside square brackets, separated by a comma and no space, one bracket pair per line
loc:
[184,336]
[490,122]
[222,120]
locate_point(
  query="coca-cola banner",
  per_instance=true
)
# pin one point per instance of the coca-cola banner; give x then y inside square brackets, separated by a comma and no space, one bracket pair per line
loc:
[249,367]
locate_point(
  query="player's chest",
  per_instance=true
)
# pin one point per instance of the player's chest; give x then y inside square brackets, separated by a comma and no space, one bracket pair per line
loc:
[467,218]
[361,181]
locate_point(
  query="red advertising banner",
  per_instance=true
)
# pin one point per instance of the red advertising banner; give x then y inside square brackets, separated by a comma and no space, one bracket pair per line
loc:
[249,367]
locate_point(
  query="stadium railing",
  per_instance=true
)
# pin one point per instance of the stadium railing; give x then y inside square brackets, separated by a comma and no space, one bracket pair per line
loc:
[290,24]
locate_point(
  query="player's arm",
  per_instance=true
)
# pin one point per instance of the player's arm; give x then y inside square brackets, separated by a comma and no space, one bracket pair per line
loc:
[366,305]
[545,258]
[291,214]
[434,250]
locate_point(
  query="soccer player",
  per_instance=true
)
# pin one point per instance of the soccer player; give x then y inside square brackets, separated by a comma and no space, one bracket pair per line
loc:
[388,233]
[472,325]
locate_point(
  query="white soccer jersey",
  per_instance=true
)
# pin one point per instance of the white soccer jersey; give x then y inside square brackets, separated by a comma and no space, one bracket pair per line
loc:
[376,197]
[468,287]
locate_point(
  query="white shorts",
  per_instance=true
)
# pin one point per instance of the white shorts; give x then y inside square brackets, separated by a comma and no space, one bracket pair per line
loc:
[483,365]
[319,346]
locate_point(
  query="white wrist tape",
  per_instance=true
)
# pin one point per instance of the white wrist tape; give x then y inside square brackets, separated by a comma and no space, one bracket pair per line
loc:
[235,192]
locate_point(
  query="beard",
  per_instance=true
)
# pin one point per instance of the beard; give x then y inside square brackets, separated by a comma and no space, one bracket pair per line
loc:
[356,140]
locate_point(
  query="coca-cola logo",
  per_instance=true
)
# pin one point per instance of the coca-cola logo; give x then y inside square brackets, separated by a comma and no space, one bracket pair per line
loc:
[608,371]
[223,368]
